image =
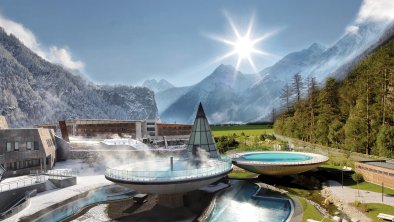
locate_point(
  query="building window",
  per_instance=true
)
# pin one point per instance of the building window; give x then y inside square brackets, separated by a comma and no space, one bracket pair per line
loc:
[9,147]
[16,148]
[29,145]
[36,146]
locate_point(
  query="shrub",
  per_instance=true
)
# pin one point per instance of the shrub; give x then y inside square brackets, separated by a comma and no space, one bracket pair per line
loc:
[358,177]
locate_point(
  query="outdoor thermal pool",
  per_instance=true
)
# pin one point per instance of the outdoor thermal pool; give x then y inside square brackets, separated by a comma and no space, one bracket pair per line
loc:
[241,204]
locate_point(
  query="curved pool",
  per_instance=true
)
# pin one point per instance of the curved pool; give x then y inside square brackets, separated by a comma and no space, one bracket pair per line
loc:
[100,195]
[242,204]
[276,157]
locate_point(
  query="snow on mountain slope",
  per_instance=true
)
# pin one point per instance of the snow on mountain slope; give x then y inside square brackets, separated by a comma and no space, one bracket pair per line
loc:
[35,91]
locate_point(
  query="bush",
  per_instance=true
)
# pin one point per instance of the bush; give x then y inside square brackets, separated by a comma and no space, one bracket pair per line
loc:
[358,177]
[362,206]
[265,136]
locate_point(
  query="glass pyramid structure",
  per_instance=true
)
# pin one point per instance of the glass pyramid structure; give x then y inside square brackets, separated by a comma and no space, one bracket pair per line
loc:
[201,136]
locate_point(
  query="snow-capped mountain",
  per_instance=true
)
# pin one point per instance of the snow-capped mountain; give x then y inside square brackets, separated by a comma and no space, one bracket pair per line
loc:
[157,86]
[220,93]
[35,91]
[230,96]
[167,97]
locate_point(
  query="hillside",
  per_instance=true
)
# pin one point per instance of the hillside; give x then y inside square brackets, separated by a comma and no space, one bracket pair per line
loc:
[356,113]
[36,91]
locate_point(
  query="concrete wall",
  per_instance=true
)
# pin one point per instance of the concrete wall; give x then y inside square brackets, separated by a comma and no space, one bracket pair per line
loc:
[62,149]
[377,175]
[63,182]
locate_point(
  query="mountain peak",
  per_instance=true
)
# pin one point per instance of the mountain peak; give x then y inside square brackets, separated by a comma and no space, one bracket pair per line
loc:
[157,86]
[225,68]
[317,47]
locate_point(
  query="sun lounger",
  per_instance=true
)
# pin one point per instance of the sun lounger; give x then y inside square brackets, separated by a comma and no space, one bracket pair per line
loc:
[386,217]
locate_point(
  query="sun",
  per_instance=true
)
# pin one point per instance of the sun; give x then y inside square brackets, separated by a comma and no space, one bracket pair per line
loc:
[244,46]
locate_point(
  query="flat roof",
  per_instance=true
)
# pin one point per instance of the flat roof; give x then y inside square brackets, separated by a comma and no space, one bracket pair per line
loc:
[383,164]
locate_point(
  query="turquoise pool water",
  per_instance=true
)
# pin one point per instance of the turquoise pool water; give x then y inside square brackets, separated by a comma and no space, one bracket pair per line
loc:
[240,205]
[276,157]
[107,193]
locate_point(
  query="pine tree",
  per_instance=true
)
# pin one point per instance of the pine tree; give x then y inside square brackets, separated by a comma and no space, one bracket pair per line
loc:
[286,96]
[297,86]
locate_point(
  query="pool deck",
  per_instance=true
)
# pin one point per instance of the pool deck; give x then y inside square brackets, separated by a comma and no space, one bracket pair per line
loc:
[45,199]
[298,212]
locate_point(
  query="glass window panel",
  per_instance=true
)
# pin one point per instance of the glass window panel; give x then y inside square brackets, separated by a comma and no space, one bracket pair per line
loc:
[199,125]
[9,147]
[206,125]
[29,145]
[191,139]
[197,139]
[16,146]
[36,145]
[204,139]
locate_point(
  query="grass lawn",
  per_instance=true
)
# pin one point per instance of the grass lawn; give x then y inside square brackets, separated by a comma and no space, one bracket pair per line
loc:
[310,212]
[248,132]
[372,187]
[349,182]
[376,208]
[241,175]
[241,127]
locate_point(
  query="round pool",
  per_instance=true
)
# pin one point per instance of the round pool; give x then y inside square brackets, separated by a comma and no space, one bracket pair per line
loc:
[278,163]
[169,176]
[277,157]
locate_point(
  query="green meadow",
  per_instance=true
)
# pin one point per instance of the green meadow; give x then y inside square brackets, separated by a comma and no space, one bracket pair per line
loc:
[248,130]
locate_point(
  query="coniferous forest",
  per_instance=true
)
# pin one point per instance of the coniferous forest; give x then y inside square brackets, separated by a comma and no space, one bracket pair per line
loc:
[356,113]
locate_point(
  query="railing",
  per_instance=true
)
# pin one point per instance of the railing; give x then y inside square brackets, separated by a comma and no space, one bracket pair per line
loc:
[217,167]
[58,172]
[22,183]
[14,206]
[2,171]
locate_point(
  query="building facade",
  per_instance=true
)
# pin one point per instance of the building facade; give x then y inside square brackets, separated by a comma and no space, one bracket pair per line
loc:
[137,129]
[23,150]
[377,172]
[166,129]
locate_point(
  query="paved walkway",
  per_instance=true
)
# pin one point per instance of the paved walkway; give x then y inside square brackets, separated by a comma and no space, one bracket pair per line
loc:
[349,195]
[88,178]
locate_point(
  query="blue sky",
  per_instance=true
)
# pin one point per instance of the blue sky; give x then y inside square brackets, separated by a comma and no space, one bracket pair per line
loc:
[126,42]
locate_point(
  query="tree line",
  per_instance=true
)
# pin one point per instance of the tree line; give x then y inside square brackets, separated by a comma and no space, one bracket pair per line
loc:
[356,113]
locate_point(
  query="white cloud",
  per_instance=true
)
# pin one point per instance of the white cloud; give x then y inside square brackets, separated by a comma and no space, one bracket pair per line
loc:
[352,29]
[63,56]
[54,54]
[376,10]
